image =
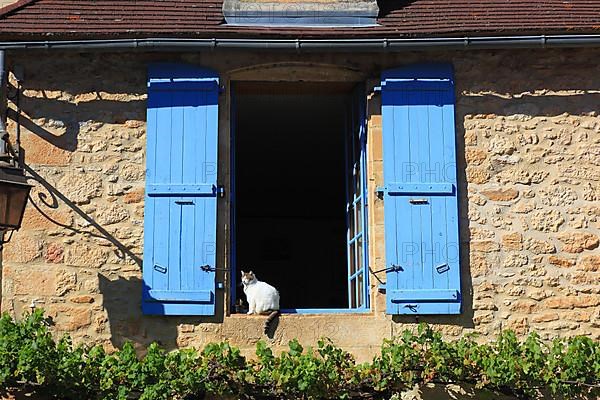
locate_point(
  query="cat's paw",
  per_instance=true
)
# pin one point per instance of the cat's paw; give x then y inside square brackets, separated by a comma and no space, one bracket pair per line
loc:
[250,312]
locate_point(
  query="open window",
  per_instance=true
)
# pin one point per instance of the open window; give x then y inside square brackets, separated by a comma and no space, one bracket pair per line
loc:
[298,198]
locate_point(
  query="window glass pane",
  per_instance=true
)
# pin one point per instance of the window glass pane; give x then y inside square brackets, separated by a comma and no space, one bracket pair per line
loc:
[352,258]
[357,186]
[353,293]
[351,230]
[359,220]
[360,290]
[359,253]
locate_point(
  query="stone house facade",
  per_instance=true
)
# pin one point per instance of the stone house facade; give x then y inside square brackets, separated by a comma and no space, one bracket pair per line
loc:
[527,145]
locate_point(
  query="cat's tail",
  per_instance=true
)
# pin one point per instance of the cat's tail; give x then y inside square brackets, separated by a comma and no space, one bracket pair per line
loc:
[270,320]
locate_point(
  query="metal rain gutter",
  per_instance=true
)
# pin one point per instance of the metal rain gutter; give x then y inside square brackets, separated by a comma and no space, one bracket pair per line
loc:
[397,44]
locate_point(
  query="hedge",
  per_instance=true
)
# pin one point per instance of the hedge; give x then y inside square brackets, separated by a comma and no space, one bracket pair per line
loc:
[31,358]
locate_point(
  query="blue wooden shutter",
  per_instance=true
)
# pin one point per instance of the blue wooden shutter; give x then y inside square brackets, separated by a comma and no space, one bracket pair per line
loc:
[181,191]
[420,191]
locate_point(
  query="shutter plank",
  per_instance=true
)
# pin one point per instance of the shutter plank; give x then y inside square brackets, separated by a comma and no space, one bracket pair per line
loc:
[175,239]
[438,204]
[434,295]
[188,296]
[162,217]
[427,124]
[191,136]
[451,202]
[177,133]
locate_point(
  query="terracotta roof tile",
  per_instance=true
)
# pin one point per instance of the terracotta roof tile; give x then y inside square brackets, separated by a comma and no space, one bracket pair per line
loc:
[203,18]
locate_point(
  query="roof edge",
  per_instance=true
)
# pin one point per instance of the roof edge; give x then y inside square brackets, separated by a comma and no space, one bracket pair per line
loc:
[4,11]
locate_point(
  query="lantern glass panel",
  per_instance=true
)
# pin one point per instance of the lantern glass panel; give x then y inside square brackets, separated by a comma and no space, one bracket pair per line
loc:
[13,198]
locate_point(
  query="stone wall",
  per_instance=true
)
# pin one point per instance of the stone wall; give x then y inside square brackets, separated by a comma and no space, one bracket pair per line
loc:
[528,135]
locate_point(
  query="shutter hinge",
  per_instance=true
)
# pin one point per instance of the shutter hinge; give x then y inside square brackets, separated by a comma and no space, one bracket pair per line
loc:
[221,191]
[379,192]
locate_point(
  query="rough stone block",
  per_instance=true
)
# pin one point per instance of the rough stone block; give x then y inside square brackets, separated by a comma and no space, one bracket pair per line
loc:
[46,151]
[80,188]
[485,246]
[134,196]
[500,194]
[539,246]
[111,214]
[590,263]
[54,253]
[512,241]
[34,281]
[84,255]
[477,175]
[561,262]
[23,248]
[546,220]
[577,242]
[69,318]
[475,155]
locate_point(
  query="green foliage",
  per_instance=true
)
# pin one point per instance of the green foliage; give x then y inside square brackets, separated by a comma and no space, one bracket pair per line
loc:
[29,356]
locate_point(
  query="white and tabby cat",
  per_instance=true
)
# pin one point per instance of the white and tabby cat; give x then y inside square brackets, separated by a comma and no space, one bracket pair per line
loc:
[262,298]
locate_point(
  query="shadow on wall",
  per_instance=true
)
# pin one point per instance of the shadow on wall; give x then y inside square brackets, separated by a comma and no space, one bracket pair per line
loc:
[66,101]
[50,199]
[121,296]
[123,305]
[58,109]
[122,300]
[71,117]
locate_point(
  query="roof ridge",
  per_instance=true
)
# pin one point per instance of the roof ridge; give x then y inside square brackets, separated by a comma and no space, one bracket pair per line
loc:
[4,11]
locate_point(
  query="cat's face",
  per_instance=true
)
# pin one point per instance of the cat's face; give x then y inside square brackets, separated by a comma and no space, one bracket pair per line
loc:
[248,277]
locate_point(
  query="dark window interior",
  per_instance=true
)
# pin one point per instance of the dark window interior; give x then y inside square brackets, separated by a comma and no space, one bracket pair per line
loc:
[290,190]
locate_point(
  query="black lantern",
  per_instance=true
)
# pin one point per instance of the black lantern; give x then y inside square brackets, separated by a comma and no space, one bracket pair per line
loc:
[14,191]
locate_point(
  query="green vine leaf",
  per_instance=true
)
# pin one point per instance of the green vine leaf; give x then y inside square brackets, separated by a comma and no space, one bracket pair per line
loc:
[532,368]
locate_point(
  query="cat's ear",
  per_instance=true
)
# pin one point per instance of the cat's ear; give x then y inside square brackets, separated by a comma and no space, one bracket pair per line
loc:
[243,273]
[251,273]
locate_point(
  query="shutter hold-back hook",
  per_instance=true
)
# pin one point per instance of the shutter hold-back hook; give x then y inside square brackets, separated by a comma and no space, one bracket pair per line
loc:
[393,268]
[208,268]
